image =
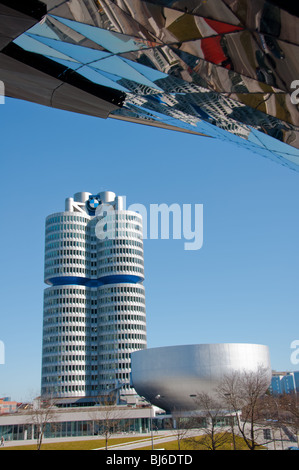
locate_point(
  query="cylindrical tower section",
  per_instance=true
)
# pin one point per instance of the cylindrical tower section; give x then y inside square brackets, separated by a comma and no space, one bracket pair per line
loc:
[82,196]
[121,300]
[65,248]
[106,196]
[65,341]
[121,331]
[120,247]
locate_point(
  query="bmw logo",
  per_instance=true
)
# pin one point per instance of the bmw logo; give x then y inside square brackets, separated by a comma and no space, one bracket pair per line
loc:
[93,203]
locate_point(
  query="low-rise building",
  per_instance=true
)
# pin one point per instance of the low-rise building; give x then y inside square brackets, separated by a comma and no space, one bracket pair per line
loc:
[7,406]
[75,422]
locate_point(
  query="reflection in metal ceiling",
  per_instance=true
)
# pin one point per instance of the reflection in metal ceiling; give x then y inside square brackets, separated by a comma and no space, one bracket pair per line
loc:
[227,69]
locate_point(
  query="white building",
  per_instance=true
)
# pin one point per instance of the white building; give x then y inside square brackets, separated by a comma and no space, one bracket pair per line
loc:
[94,307]
[75,422]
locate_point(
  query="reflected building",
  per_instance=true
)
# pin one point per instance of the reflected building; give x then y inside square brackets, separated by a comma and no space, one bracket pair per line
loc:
[225,69]
[94,305]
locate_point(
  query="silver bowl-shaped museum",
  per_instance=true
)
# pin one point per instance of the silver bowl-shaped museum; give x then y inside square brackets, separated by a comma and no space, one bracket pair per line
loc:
[171,377]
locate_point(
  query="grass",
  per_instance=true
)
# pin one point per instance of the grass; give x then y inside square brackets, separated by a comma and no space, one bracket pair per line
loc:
[188,444]
[75,445]
[185,445]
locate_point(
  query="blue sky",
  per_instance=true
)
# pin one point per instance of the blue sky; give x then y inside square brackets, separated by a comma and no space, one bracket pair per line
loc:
[241,286]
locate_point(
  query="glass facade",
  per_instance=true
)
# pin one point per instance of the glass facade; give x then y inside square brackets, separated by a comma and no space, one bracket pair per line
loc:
[19,432]
[95,427]
[223,68]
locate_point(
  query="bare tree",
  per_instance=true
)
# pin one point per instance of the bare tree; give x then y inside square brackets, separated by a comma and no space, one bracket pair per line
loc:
[108,416]
[272,418]
[289,413]
[40,413]
[215,433]
[181,426]
[242,392]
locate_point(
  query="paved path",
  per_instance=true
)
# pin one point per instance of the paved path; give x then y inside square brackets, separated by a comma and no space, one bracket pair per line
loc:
[158,441]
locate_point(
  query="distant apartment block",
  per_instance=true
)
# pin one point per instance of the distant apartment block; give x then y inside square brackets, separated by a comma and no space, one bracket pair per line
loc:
[284,382]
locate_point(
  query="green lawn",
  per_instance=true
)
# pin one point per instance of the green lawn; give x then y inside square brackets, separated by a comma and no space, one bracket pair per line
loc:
[187,444]
[75,445]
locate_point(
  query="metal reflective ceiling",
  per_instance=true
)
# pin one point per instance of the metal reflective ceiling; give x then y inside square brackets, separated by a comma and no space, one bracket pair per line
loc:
[220,68]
